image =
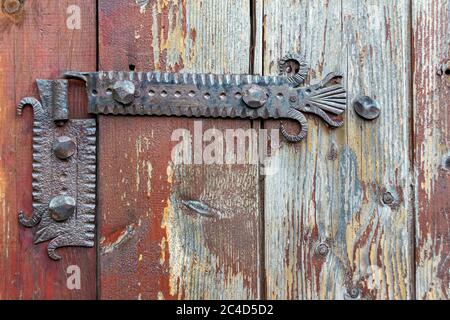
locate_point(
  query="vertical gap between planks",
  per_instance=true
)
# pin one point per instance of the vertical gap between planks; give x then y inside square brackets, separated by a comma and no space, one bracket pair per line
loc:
[15,128]
[252,36]
[97,216]
[413,185]
[258,125]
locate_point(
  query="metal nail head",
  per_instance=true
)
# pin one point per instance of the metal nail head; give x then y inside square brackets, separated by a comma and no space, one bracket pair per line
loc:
[62,208]
[64,147]
[255,96]
[367,108]
[124,91]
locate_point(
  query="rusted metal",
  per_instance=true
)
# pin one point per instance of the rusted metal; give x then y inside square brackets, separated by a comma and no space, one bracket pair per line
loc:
[62,208]
[294,67]
[64,147]
[64,150]
[444,69]
[353,294]
[60,105]
[63,191]
[367,108]
[218,95]
[447,163]
[123,91]
[255,96]
[322,249]
[388,198]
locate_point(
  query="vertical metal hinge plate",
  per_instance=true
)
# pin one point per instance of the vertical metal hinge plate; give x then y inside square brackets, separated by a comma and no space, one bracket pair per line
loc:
[64,171]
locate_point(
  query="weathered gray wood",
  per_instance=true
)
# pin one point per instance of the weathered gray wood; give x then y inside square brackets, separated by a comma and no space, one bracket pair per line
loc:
[152,242]
[328,189]
[431,43]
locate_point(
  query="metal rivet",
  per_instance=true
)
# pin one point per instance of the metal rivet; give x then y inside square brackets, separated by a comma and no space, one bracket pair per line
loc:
[11,6]
[366,107]
[123,91]
[64,147]
[255,96]
[322,249]
[388,198]
[293,99]
[62,208]
[444,69]
[447,163]
[354,293]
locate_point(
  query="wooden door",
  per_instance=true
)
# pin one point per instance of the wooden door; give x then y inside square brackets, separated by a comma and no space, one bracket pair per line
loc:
[360,212]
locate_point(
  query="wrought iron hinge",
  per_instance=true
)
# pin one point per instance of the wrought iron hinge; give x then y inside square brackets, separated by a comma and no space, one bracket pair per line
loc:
[64,171]
[64,150]
[218,95]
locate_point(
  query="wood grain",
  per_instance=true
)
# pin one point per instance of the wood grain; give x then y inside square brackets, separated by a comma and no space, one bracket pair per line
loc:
[183,231]
[36,43]
[328,188]
[153,244]
[431,49]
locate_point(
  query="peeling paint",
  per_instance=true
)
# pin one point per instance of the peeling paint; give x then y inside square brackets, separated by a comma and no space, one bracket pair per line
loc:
[3,212]
[193,254]
[111,242]
[431,29]
[142,5]
[339,175]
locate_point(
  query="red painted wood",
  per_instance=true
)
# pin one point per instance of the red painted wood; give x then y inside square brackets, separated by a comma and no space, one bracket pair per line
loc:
[431,50]
[150,246]
[36,43]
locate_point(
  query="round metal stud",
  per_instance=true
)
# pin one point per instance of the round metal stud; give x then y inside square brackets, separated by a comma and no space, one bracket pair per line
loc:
[354,293]
[388,198]
[447,163]
[255,96]
[124,91]
[62,208]
[322,249]
[366,107]
[444,69]
[64,147]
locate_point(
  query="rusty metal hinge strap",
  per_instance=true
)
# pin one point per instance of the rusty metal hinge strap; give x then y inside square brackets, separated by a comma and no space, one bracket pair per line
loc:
[64,171]
[218,95]
[64,150]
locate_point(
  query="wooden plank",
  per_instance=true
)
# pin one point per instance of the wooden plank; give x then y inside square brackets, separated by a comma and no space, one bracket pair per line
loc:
[328,188]
[36,43]
[152,245]
[431,49]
